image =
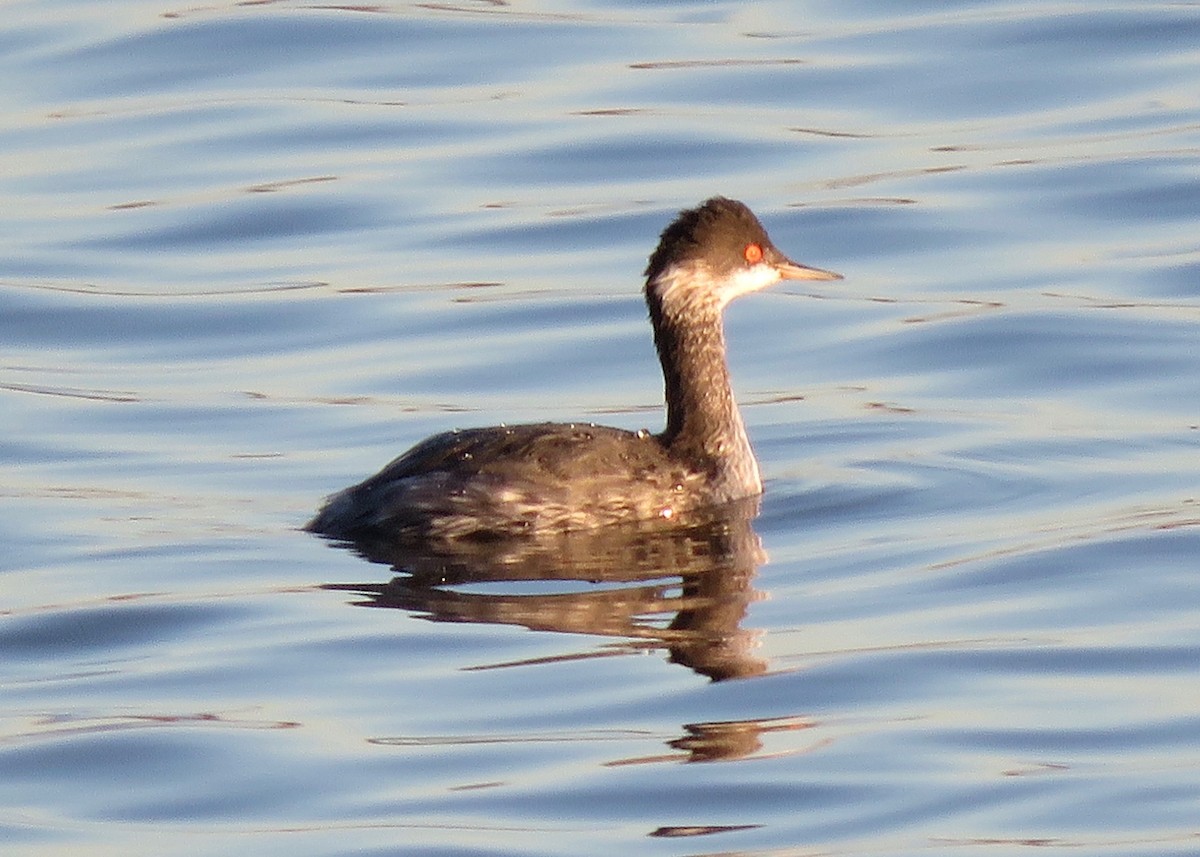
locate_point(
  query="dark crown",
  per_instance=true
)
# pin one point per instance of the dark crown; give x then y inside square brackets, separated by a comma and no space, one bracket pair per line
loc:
[717,232]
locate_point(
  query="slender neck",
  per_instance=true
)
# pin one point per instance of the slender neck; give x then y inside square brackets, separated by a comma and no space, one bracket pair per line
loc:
[704,426]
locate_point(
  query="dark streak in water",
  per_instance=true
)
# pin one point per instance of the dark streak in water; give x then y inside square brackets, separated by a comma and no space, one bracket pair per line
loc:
[614,111]
[73,393]
[92,290]
[722,63]
[700,830]
[123,723]
[819,132]
[272,187]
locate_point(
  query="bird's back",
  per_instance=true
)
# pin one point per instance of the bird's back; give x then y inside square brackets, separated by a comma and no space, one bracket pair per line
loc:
[512,480]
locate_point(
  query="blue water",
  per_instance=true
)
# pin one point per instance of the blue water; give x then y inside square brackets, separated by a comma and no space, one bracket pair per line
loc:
[249,252]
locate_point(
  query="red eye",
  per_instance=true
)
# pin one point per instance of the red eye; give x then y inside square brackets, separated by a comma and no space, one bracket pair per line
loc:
[753,253]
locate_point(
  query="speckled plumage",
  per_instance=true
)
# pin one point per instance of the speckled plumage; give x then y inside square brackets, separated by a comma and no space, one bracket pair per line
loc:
[523,479]
[538,479]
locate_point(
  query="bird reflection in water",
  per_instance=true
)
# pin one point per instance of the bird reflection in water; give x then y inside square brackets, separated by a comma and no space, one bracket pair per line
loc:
[680,585]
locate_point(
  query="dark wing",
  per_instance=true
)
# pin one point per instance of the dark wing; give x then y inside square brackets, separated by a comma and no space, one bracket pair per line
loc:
[555,451]
[509,475]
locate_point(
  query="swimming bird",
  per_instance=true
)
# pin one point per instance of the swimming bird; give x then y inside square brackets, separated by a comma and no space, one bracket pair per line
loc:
[546,478]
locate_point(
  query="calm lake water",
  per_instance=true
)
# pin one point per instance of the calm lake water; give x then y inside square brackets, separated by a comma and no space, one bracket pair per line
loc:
[251,251]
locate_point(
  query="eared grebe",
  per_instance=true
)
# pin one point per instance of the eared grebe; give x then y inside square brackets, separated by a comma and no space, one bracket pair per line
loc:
[555,477]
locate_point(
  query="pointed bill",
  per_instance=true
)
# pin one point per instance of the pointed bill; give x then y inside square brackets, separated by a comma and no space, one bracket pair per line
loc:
[790,270]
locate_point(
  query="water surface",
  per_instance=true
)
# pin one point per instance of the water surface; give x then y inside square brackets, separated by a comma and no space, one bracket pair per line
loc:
[249,252]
